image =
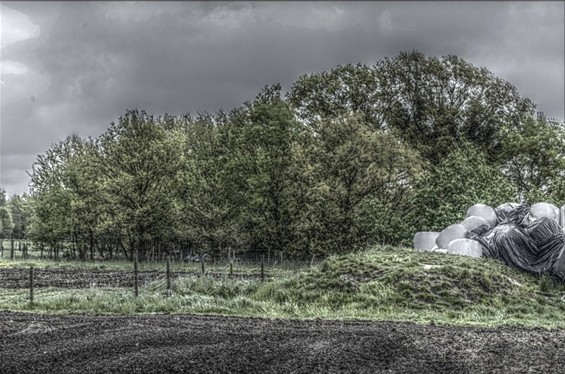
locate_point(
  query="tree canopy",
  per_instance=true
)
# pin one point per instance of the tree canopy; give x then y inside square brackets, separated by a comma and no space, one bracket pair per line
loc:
[348,158]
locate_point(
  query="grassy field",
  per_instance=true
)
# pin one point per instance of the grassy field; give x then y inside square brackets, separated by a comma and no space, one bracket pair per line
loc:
[381,284]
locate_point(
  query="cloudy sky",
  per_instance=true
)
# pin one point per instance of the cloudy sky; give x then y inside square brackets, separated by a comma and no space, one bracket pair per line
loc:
[73,67]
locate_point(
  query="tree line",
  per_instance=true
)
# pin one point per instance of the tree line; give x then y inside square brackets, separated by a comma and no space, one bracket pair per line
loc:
[346,159]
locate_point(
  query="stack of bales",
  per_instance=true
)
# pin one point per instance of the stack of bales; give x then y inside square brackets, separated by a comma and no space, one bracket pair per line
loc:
[464,238]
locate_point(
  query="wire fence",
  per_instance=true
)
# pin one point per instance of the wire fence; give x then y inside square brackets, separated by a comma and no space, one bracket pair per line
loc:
[33,278]
[15,278]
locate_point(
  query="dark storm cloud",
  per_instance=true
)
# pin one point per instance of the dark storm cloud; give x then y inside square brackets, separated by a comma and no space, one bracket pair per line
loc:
[92,61]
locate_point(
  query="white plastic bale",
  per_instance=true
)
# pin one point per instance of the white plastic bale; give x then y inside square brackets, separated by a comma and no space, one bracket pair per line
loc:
[471,223]
[465,247]
[484,211]
[425,240]
[562,216]
[541,210]
[455,231]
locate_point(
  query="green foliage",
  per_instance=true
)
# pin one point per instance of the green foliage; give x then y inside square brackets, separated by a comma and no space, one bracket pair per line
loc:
[533,158]
[351,167]
[266,140]
[463,179]
[139,159]
[433,103]
[208,187]
[336,166]
[21,212]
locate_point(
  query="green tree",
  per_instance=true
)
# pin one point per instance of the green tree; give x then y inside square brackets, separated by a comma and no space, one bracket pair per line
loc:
[6,222]
[344,90]
[210,188]
[353,166]
[21,212]
[438,104]
[51,194]
[265,135]
[533,158]
[139,159]
[463,179]
[435,104]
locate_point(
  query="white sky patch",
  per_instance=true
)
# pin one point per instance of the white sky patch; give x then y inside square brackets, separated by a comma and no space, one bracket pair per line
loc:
[12,67]
[15,26]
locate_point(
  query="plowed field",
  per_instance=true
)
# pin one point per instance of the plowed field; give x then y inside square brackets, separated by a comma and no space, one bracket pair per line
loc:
[32,343]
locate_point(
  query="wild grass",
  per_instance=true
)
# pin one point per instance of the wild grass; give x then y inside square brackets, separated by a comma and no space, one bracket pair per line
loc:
[380,284]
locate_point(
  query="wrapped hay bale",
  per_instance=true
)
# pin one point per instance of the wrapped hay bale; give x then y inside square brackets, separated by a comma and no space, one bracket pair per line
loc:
[465,247]
[562,216]
[475,224]
[511,213]
[450,233]
[484,211]
[541,210]
[425,240]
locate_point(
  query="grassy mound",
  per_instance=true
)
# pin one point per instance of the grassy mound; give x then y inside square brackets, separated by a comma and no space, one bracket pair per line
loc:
[430,285]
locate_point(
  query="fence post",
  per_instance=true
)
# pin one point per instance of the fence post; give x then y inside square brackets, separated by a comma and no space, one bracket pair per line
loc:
[168,272]
[135,272]
[1,247]
[31,285]
[202,264]
[11,249]
[312,262]
[262,268]
[231,267]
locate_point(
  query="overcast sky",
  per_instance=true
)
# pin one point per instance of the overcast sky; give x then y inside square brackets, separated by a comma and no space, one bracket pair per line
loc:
[73,67]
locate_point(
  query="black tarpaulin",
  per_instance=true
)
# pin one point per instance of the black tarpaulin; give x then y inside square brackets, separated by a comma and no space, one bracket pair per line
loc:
[535,247]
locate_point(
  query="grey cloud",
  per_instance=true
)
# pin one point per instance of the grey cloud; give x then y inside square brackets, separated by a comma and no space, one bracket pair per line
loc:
[98,59]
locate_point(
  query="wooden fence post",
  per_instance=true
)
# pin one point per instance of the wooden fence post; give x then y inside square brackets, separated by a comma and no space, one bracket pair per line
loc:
[11,249]
[168,272]
[202,264]
[31,285]
[135,273]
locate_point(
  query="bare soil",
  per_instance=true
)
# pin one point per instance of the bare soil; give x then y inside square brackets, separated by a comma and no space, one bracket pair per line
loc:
[33,343]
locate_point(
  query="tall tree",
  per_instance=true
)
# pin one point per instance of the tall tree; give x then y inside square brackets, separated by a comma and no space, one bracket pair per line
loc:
[439,103]
[266,135]
[139,159]
[533,158]
[433,103]
[21,212]
[210,187]
[51,194]
[352,165]
[6,222]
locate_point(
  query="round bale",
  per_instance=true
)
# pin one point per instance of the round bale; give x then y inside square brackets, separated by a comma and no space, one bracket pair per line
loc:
[562,216]
[455,231]
[484,211]
[541,210]
[425,241]
[474,222]
[465,247]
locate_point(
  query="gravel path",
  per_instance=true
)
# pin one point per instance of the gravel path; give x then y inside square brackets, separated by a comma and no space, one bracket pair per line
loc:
[33,343]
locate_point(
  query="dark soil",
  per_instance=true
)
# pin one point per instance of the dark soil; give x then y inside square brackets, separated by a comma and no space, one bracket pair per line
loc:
[31,343]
